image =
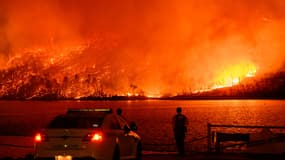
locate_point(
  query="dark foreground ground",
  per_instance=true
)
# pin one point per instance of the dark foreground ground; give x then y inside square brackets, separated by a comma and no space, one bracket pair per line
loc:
[196,156]
[213,156]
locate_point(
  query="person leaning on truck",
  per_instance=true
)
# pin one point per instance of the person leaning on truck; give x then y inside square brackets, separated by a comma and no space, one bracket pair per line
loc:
[180,122]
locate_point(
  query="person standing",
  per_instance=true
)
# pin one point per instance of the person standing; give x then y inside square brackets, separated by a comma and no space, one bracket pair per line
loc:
[119,112]
[180,122]
[121,118]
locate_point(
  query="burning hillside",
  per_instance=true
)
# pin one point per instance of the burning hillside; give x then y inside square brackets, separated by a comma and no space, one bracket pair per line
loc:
[92,48]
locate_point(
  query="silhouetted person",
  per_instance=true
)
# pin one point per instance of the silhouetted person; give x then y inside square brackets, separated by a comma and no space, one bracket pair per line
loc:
[120,113]
[180,123]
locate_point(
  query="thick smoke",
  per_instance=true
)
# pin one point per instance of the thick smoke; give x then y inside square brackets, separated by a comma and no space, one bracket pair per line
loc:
[156,46]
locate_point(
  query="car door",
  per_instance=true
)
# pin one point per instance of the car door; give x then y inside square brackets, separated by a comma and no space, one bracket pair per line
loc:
[127,139]
[114,128]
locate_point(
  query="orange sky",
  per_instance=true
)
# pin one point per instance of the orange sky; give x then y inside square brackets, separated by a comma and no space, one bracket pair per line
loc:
[160,46]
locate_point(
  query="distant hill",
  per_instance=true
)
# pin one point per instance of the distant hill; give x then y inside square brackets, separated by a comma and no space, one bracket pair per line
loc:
[271,86]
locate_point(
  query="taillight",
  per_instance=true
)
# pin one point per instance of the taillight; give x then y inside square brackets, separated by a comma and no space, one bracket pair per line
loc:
[97,137]
[39,137]
[93,137]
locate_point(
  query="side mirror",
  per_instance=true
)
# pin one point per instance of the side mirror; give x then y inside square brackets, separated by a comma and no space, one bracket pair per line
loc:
[133,126]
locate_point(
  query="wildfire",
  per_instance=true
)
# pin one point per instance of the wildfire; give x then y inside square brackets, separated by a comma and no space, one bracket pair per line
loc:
[231,76]
[159,48]
[41,72]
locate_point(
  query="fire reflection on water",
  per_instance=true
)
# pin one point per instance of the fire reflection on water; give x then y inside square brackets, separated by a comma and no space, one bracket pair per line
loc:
[155,127]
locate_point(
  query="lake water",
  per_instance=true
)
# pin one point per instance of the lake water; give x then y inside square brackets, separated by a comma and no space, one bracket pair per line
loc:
[153,117]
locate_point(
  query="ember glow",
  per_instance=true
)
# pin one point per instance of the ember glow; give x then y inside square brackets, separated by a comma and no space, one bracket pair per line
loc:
[234,74]
[75,49]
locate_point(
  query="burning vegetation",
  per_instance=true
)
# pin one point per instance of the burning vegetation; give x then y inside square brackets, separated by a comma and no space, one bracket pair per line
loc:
[69,49]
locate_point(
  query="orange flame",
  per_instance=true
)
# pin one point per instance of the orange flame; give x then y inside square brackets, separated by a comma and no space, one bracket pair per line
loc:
[233,75]
[135,48]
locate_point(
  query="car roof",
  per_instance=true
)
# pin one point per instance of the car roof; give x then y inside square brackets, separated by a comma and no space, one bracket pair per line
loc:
[78,120]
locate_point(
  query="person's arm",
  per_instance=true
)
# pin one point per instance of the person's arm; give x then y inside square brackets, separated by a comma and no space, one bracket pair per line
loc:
[173,122]
[186,121]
